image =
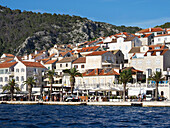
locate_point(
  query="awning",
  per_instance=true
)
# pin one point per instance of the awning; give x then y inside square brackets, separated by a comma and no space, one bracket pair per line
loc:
[58,78]
[37,94]
[47,79]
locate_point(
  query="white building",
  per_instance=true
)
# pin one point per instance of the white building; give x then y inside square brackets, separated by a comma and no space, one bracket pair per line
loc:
[24,69]
[6,72]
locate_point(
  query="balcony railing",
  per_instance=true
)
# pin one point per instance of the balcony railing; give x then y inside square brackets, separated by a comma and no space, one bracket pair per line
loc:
[10,73]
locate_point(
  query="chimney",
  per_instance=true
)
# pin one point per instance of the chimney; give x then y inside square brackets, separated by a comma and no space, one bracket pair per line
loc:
[36,52]
[150,29]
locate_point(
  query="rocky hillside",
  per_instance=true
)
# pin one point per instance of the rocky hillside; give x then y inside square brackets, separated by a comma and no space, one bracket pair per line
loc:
[22,32]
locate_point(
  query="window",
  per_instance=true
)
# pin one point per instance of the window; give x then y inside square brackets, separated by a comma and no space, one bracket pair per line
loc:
[60,65]
[165,38]
[159,39]
[17,78]
[60,73]
[17,70]
[66,65]
[108,57]
[158,69]
[82,66]
[149,72]
[22,70]
[1,79]
[6,71]
[48,68]
[1,71]
[22,78]
[6,79]
[75,66]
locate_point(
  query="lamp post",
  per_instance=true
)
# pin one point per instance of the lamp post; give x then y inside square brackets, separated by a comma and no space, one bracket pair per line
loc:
[140,86]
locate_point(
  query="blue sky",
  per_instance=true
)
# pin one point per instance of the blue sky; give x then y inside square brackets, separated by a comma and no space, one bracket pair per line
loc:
[141,13]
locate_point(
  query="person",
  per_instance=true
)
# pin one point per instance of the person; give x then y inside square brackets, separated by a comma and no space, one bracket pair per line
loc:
[46,97]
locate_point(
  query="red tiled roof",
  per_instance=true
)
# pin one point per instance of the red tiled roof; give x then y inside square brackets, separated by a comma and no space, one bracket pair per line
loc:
[33,64]
[63,53]
[9,55]
[45,60]
[100,42]
[100,72]
[67,59]
[19,58]
[8,60]
[52,55]
[36,55]
[152,30]
[7,64]
[97,53]
[153,52]
[80,60]
[133,70]
[51,61]
[88,49]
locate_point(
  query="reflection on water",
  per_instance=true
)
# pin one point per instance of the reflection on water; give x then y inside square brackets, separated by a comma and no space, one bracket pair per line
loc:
[83,116]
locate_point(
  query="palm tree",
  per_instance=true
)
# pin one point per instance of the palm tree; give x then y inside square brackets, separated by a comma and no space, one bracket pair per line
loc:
[30,82]
[11,87]
[125,76]
[157,76]
[73,72]
[50,74]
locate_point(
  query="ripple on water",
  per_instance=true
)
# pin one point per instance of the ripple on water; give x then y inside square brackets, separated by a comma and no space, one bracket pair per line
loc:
[36,116]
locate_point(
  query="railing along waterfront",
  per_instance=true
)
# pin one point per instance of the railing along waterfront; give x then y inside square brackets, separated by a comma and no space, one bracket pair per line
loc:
[109,85]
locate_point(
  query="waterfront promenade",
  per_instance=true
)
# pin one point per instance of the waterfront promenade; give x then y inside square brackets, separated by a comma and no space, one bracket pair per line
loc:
[141,104]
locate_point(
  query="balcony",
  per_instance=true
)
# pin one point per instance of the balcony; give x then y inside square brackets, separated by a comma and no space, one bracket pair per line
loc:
[10,73]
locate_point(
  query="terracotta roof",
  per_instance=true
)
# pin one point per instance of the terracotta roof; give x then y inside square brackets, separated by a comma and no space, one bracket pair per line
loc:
[153,52]
[67,59]
[135,50]
[152,30]
[9,55]
[45,60]
[36,55]
[52,55]
[33,64]
[80,60]
[97,53]
[19,58]
[51,61]
[63,53]
[130,38]
[163,35]
[124,33]
[8,60]
[88,49]
[158,45]
[100,42]
[7,64]
[133,70]
[100,72]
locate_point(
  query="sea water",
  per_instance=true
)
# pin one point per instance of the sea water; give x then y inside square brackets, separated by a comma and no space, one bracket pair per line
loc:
[36,116]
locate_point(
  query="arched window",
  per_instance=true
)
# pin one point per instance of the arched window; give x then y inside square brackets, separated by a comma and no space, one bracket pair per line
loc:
[22,70]
[17,78]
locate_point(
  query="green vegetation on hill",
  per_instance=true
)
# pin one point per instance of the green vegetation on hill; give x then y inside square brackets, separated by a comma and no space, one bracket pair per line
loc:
[17,30]
[166,25]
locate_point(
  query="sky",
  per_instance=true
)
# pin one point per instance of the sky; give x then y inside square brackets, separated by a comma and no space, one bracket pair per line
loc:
[141,13]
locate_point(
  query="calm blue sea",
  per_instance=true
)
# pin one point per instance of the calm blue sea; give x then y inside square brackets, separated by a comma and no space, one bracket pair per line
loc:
[36,116]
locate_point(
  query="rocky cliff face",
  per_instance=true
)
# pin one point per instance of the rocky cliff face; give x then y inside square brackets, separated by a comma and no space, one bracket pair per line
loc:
[23,32]
[80,31]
